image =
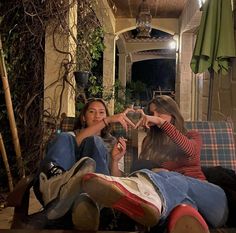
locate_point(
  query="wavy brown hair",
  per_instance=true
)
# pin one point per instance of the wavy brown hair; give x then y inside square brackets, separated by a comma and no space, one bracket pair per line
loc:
[157,146]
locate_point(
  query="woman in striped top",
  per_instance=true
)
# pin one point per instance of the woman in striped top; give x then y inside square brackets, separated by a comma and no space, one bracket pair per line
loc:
[173,175]
[168,144]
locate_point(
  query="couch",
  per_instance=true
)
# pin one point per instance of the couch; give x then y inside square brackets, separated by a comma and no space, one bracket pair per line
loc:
[218,151]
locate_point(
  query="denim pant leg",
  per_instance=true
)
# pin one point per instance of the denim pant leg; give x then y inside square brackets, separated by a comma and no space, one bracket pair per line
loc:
[211,201]
[61,151]
[177,189]
[95,148]
[64,152]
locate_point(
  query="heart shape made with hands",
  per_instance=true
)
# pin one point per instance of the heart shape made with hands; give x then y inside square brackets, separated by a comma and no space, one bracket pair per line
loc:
[134,116]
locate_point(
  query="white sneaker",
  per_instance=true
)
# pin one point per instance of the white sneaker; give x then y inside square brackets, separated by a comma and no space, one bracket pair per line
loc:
[85,214]
[69,191]
[138,199]
[50,187]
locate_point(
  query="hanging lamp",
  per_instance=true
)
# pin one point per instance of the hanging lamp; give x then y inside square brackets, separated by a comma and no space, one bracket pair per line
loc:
[143,20]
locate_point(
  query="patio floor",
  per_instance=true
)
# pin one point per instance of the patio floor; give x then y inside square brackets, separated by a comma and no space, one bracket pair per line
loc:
[6,214]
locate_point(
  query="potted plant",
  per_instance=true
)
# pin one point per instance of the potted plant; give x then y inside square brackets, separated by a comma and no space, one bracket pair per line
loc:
[89,42]
[81,78]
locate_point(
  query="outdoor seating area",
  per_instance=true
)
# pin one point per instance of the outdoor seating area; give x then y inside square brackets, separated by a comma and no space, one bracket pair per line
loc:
[58,57]
[218,150]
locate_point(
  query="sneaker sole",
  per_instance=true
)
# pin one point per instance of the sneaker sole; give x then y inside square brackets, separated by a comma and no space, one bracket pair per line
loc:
[70,191]
[78,165]
[85,214]
[75,168]
[185,219]
[113,194]
[187,224]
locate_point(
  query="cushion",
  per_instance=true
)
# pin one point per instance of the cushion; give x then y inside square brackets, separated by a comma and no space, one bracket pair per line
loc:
[218,143]
[67,124]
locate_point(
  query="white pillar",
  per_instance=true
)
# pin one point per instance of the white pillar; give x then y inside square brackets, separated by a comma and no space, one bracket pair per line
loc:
[184,76]
[129,64]
[122,72]
[109,69]
[59,97]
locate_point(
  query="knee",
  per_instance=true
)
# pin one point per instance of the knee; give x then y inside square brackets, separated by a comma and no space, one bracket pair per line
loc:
[94,140]
[64,137]
[60,139]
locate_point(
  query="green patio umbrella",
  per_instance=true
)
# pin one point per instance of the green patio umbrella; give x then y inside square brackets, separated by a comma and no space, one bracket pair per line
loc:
[215,43]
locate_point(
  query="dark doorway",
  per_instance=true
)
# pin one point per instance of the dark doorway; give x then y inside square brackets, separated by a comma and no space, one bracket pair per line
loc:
[157,75]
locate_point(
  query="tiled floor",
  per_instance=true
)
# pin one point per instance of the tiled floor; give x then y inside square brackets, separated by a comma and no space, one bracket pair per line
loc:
[7,213]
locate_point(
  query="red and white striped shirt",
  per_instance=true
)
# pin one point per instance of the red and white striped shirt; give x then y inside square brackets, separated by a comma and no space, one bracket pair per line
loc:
[190,144]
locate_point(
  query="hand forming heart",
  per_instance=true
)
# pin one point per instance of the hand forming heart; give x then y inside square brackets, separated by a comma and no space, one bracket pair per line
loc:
[134,115]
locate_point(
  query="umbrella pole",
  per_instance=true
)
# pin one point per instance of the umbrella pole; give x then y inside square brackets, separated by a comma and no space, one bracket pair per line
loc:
[210,94]
[10,112]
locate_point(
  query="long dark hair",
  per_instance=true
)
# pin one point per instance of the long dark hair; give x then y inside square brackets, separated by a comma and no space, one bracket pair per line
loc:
[157,146]
[79,124]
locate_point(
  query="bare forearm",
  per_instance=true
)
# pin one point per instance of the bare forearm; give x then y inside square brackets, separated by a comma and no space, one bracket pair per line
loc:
[115,171]
[89,131]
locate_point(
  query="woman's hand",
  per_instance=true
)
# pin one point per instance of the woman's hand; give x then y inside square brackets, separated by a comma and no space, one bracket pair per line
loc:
[147,121]
[156,170]
[122,119]
[119,149]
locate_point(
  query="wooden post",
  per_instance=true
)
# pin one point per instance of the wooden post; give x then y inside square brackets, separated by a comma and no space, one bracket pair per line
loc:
[210,94]
[5,160]
[10,112]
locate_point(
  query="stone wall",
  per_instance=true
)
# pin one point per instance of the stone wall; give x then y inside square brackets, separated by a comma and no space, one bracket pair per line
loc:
[224,92]
[224,97]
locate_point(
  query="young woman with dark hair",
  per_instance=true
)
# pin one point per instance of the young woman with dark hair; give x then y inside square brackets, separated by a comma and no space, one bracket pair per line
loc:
[89,148]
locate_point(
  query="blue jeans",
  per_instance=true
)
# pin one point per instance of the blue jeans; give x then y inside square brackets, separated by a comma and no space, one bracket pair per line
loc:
[209,199]
[64,151]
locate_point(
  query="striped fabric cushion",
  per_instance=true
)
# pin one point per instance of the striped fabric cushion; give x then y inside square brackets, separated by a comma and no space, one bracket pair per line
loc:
[67,124]
[218,143]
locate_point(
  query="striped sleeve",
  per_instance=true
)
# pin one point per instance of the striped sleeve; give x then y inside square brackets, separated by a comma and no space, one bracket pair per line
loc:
[190,143]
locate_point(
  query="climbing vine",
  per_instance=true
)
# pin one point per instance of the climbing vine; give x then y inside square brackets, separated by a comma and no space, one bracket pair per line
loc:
[22,27]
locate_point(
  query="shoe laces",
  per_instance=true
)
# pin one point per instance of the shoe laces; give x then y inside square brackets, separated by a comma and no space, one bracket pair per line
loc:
[52,169]
[55,171]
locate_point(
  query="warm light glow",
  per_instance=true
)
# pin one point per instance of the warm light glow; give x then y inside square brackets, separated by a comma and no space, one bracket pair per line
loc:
[172,44]
[201,2]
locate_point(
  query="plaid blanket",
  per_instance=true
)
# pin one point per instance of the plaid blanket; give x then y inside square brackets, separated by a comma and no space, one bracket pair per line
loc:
[218,142]
[218,147]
